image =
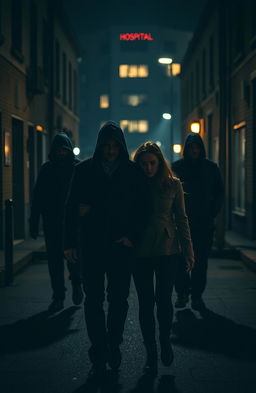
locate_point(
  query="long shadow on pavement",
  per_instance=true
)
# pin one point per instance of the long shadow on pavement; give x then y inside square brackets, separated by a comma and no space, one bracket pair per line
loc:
[214,333]
[110,384]
[38,331]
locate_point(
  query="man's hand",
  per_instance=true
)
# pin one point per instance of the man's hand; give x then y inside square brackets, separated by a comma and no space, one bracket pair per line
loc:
[190,262]
[84,209]
[71,255]
[125,242]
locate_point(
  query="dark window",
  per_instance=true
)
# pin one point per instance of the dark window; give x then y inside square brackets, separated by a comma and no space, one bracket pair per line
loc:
[70,95]
[64,78]
[33,36]
[238,29]
[192,89]
[1,21]
[16,48]
[57,68]
[197,83]
[75,92]
[203,73]
[46,57]
[253,18]
[211,63]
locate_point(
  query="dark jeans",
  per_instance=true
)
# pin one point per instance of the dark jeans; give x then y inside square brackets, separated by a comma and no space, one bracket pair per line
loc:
[114,264]
[55,259]
[163,269]
[194,283]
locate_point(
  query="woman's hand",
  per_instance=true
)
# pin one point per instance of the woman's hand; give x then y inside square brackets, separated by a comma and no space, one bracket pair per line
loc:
[84,209]
[125,242]
[190,262]
[71,255]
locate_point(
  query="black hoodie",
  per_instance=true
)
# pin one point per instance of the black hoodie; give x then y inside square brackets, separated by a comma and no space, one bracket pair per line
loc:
[52,184]
[202,184]
[116,201]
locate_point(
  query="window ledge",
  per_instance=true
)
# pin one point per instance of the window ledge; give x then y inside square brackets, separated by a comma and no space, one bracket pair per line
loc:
[239,213]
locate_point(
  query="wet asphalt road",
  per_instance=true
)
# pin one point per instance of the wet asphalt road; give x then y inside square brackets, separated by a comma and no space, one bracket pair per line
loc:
[214,353]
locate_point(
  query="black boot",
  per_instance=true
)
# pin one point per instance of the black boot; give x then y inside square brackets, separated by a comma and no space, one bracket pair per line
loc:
[114,356]
[167,354]
[55,306]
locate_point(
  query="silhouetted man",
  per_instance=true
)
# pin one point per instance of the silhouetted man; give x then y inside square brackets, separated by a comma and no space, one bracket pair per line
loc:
[108,190]
[203,189]
[49,196]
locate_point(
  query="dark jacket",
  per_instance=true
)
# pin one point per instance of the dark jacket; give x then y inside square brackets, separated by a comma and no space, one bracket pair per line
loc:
[202,184]
[117,201]
[52,185]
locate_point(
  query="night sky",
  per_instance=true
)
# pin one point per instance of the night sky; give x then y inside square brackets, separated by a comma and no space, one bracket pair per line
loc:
[89,15]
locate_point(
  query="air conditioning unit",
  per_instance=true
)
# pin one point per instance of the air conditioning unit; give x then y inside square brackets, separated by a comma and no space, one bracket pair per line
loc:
[35,81]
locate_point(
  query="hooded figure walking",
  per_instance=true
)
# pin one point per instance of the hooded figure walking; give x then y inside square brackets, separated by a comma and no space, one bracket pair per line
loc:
[204,192]
[48,201]
[107,190]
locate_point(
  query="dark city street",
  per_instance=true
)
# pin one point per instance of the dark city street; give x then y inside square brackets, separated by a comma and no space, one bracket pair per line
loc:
[127,196]
[214,353]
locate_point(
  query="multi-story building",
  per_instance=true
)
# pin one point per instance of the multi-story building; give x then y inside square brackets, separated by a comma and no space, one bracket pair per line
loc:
[122,80]
[38,95]
[219,93]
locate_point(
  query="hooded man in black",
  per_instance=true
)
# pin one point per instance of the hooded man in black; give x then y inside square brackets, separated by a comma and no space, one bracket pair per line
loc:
[49,196]
[108,190]
[203,189]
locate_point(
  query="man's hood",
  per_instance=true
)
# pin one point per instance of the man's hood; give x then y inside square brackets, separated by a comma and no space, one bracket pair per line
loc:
[194,138]
[60,140]
[111,130]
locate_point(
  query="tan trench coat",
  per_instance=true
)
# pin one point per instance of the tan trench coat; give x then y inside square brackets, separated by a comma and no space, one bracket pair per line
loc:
[168,230]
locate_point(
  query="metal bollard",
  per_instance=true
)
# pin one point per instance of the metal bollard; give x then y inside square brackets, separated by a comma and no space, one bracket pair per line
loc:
[8,254]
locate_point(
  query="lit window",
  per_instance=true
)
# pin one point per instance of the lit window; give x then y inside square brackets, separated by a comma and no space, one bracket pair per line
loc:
[134,99]
[175,69]
[133,71]
[104,101]
[140,126]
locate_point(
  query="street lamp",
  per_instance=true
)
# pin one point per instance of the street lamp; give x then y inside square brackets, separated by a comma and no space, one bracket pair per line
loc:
[167,116]
[165,60]
[76,151]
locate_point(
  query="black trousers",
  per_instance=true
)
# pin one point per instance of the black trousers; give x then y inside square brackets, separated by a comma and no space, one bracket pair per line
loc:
[163,269]
[55,257]
[194,283]
[112,267]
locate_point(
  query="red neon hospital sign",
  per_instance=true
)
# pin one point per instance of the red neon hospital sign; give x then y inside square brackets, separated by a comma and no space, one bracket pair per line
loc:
[136,36]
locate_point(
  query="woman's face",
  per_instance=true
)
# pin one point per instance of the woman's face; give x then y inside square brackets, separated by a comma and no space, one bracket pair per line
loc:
[149,164]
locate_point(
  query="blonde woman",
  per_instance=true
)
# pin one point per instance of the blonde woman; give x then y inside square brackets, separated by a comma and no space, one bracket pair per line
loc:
[166,236]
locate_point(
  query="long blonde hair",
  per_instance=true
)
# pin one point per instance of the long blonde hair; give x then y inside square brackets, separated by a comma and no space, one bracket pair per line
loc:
[164,173]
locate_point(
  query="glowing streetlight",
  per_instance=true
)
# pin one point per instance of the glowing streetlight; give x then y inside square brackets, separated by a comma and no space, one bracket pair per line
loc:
[177,148]
[76,151]
[166,116]
[165,60]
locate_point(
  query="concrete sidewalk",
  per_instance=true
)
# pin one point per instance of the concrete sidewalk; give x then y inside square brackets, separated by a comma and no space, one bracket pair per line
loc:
[245,248]
[23,254]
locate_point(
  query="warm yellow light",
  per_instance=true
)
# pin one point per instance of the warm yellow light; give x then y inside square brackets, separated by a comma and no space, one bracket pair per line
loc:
[165,60]
[104,101]
[195,127]
[175,69]
[6,149]
[39,128]
[133,71]
[177,148]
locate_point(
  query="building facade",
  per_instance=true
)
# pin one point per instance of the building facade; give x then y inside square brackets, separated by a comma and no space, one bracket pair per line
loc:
[122,80]
[218,92]
[31,108]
